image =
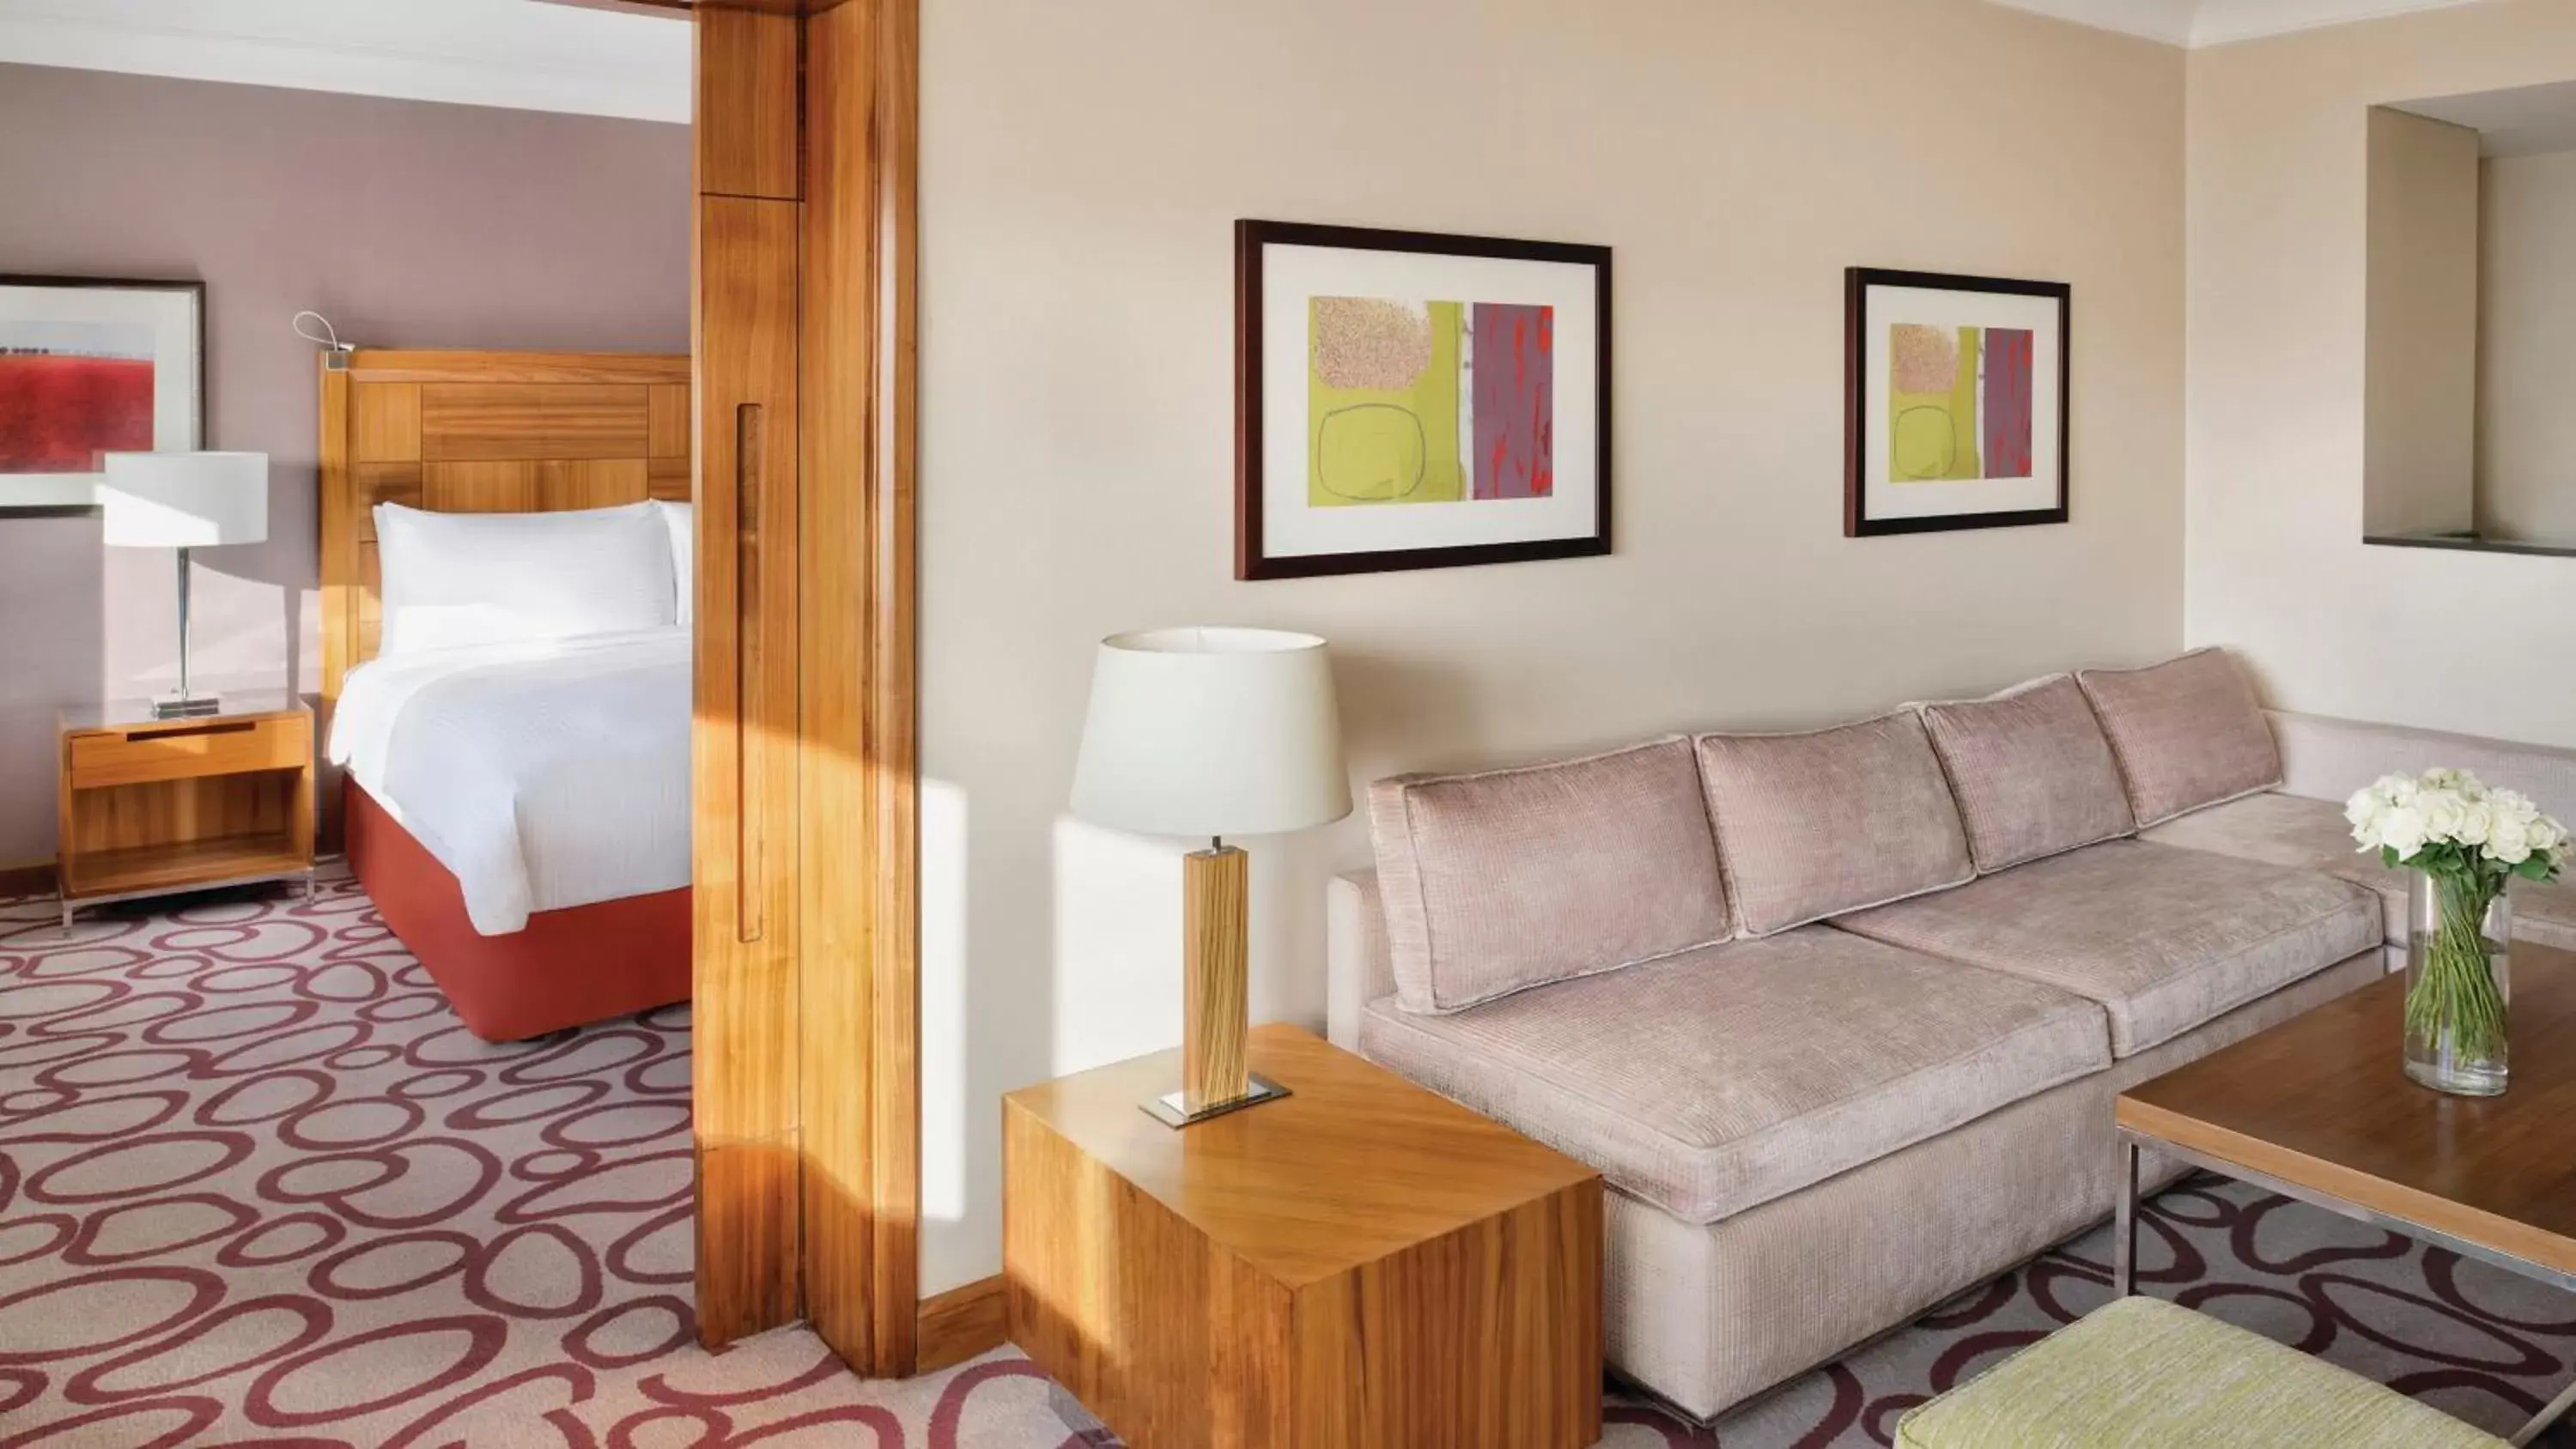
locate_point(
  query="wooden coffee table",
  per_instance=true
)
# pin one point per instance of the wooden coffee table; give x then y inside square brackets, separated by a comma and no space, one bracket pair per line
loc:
[2318,1109]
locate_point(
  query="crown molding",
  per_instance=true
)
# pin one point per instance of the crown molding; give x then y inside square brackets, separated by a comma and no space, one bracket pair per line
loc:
[2196,23]
[511,53]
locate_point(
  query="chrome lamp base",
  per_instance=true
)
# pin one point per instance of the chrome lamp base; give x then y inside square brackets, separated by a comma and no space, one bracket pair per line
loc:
[186,706]
[1168,1109]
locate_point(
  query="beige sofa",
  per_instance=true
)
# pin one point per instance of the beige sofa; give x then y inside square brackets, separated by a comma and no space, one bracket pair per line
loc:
[1840,1015]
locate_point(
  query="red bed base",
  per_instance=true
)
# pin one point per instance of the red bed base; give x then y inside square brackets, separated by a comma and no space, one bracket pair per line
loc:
[570,966]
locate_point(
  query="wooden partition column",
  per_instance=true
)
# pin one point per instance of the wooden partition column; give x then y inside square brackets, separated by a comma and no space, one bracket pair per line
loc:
[807,1112]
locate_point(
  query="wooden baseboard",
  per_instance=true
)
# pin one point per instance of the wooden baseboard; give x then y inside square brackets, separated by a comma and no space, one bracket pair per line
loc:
[960,1324]
[27,880]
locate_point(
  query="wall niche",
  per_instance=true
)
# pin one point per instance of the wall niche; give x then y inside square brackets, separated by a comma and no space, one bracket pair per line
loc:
[2469,424]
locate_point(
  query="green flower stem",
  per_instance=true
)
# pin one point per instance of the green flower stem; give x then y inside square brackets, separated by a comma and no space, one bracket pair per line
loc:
[2456,996]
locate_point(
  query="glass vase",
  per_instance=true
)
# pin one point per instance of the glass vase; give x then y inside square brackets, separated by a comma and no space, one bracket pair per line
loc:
[2457,984]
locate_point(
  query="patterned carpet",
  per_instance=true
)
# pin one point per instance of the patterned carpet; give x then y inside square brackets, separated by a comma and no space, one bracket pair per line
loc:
[258,1187]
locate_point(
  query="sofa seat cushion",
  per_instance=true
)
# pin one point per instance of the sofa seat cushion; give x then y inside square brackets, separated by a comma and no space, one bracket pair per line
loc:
[2292,830]
[2141,1371]
[2164,938]
[1718,1080]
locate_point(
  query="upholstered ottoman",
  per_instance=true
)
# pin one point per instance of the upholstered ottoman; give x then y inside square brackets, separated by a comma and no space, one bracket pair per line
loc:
[2145,1373]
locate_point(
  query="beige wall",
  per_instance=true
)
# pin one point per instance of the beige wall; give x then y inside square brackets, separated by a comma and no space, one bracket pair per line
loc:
[2527,350]
[2421,374]
[2275,562]
[1082,165]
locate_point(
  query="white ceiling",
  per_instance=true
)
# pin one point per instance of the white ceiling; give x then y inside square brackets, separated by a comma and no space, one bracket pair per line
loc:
[516,53]
[2217,22]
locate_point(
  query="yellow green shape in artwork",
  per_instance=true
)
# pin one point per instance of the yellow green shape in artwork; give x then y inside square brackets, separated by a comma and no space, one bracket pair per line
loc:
[1383,402]
[1932,403]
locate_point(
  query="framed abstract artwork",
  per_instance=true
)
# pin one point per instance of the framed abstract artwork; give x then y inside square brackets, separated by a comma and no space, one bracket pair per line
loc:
[1955,394]
[1408,400]
[91,366]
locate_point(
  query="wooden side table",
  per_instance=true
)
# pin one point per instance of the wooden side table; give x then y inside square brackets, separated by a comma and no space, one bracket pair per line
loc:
[151,806]
[1361,1265]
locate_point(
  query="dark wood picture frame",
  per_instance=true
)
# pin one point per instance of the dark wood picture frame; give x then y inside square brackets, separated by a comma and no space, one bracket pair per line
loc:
[1859,437]
[1250,561]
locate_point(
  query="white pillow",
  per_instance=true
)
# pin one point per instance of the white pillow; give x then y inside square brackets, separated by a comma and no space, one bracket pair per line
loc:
[452,579]
[683,519]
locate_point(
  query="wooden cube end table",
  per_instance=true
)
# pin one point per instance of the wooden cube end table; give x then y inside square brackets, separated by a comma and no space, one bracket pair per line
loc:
[1360,1265]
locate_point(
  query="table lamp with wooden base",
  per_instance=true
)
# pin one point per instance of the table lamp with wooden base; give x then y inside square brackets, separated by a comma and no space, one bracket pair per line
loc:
[1212,732]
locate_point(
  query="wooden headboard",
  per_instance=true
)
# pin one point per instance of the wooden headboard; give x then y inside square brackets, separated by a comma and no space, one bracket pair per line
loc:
[481,432]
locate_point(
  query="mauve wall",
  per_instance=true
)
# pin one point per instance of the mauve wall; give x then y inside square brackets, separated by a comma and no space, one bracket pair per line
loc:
[408,224]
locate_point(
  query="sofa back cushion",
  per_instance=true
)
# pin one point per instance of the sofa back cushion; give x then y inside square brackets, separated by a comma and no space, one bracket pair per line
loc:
[1507,879]
[1813,825]
[2031,771]
[2187,733]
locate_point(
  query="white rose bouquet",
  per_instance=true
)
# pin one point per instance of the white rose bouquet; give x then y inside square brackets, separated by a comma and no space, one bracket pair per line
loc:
[2470,842]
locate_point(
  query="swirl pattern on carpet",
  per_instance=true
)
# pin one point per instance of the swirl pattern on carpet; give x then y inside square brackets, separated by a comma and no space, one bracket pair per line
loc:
[259,1187]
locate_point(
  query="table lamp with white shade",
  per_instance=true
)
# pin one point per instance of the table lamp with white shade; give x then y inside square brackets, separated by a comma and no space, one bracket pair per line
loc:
[1212,732]
[184,501]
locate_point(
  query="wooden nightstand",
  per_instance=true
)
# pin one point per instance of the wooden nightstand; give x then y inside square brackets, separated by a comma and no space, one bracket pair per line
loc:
[151,806]
[1359,1265]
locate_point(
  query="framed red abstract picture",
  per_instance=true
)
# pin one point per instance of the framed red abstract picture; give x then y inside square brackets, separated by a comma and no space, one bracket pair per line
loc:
[90,366]
[1955,398]
[1408,400]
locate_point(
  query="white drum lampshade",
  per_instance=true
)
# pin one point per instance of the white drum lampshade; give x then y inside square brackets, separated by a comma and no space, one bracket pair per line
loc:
[1212,732]
[184,501]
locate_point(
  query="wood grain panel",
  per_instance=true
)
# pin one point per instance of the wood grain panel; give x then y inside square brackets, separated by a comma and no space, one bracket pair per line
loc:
[746,119]
[525,421]
[893,706]
[481,421]
[2319,1103]
[374,483]
[964,1322]
[747,1059]
[340,511]
[1362,1264]
[590,483]
[669,480]
[449,365]
[206,747]
[837,901]
[1216,976]
[479,487]
[367,609]
[666,422]
[387,429]
[595,420]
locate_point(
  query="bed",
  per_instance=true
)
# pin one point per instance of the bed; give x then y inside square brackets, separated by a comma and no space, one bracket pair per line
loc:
[505,696]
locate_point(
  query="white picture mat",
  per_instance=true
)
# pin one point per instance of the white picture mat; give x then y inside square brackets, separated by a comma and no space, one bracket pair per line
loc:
[171,318]
[1294,275]
[1888,306]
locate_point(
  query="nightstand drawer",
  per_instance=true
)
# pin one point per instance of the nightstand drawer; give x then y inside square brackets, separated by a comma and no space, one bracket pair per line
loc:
[187,750]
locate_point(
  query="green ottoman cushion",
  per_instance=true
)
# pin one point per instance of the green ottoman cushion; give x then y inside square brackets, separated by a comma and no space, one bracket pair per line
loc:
[2145,1374]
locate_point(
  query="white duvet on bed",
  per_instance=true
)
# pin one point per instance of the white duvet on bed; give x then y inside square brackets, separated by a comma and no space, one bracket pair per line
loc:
[542,774]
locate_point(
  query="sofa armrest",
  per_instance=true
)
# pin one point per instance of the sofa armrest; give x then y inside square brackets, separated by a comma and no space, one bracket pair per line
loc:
[2323,758]
[1355,954]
